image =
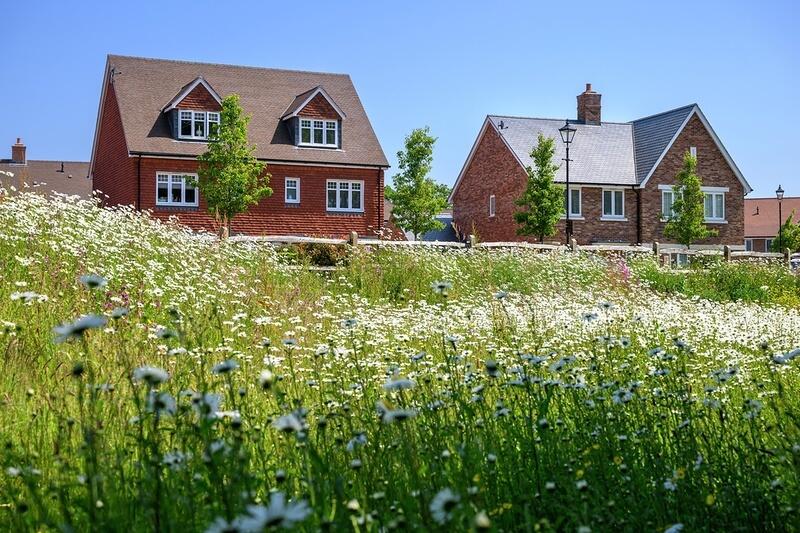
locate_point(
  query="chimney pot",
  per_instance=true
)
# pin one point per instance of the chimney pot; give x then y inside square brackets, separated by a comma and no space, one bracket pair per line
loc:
[588,87]
[589,106]
[18,152]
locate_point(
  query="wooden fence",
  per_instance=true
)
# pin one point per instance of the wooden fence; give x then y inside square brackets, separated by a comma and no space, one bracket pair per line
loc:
[667,254]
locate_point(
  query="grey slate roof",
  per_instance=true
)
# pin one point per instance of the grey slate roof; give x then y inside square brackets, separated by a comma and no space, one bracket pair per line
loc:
[143,86]
[606,151]
[652,134]
[612,153]
[446,234]
[47,177]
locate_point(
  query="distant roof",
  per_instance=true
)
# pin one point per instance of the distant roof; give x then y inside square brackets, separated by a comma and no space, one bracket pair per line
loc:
[606,150]
[761,215]
[46,176]
[652,135]
[446,234]
[143,86]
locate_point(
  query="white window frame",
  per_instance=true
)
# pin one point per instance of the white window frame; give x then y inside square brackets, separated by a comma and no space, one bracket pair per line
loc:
[768,244]
[675,194]
[325,128]
[286,188]
[207,121]
[748,245]
[492,205]
[693,151]
[579,214]
[172,177]
[714,192]
[612,216]
[339,188]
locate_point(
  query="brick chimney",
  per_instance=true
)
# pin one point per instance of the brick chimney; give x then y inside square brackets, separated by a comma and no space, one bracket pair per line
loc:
[589,106]
[18,153]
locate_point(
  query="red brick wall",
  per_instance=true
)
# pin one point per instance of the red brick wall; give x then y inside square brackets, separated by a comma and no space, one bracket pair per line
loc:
[272,216]
[114,172]
[712,169]
[319,107]
[200,99]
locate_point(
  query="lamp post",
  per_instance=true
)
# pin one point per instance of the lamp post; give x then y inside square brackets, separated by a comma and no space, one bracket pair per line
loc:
[779,196]
[567,132]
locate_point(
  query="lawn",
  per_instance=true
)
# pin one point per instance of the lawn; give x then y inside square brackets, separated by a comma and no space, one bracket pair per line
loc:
[156,379]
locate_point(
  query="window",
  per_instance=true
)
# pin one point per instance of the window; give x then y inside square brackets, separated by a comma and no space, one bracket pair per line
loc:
[748,245]
[768,245]
[668,197]
[492,205]
[197,124]
[613,203]
[574,203]
[714,206]
[292,191]
[176,189]
[319,132]
[693,151]
[345,196]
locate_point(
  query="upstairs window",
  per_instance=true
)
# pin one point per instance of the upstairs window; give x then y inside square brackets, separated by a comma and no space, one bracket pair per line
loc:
[319,132]
[197,124]
[492,204]
[714,206]
[613,203]
[347,196]
[176,189]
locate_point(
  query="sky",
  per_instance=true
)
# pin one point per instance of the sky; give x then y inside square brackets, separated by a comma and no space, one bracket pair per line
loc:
[440,64]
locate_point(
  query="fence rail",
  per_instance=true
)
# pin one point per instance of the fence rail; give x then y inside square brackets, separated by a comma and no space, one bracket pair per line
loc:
[672,253]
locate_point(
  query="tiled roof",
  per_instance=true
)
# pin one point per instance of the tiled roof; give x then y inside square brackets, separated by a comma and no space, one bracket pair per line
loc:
[46,176]
[606,151]
[761,215]
[652,135]
[446,234]
[144,86]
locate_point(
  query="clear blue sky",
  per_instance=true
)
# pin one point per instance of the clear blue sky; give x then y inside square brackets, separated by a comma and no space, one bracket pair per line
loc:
[441,64]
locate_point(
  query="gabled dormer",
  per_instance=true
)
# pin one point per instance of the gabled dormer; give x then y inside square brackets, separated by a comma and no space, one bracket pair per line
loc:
[315,120]
[194,111]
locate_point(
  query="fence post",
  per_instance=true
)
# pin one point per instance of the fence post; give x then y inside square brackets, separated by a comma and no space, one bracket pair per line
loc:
[573,245]
[787,257]
[353,238]
[473,240]
[726,252]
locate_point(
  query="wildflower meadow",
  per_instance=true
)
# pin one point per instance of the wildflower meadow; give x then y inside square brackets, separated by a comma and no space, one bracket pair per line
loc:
[156,379]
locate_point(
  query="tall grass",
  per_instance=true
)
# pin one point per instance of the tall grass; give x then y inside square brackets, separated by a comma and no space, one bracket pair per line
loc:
[220,388]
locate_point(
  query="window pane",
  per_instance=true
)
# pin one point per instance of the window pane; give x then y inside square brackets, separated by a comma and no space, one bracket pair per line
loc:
[331,198]
[330,133]
[719,212]
[576,202]
[607,203]
[162,194]
[666,204]
[356,199]
[305,135]
[199,124]
[186,126]
[618,203]
[176,188]
[317,136]
[708,207]
[343,203]
[190,194]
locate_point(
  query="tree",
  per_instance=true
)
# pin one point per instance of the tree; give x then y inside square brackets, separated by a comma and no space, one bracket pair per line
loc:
[543,200]
[416,198]
[790,236]
[687,222]
[230,177]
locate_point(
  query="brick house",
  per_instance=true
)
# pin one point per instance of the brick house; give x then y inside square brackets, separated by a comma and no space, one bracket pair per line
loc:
[47,177]
[326,164]
[621,175]
[761,220]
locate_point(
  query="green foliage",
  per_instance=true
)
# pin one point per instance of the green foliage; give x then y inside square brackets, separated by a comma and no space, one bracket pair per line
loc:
[789,236]
[416,198]
[231,179]
[687,224]
[543,200]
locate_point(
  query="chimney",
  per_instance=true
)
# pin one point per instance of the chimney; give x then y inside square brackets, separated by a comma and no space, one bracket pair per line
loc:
[589,106]
[18,152]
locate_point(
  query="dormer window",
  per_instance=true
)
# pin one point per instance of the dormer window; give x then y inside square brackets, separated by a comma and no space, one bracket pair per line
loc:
[315,132]
[197,125]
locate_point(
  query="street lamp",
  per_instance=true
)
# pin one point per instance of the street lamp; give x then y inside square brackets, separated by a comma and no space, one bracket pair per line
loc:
[779,196]
[567,134]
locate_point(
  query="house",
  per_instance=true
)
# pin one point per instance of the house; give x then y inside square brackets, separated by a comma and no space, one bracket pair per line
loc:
[761,220]
[325,161]
[621,175]
[65,177]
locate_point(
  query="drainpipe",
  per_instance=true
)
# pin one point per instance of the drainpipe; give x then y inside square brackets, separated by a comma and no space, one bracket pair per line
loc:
[638,216]
[139,183]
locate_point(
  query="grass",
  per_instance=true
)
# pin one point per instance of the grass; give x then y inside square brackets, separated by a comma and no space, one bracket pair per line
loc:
[219,388]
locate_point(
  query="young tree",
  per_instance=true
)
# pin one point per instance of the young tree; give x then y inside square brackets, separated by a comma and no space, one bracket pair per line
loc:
[687,223]
[230,177]
[543,201]
[416,198]
[790,237]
